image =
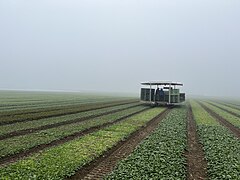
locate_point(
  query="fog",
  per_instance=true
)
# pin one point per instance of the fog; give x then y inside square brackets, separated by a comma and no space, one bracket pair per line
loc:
[113,45]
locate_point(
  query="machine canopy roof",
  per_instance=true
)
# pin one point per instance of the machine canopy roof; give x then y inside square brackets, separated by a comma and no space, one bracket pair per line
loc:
[165,83]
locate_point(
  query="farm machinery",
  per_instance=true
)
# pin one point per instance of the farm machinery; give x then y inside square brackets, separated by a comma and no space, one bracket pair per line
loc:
[161,93]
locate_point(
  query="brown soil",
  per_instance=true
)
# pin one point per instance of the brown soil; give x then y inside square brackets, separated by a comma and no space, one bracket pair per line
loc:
[49,126]
[12,158]
[230,112]
[222,121]
[103,165]
[64,113]
[196,163]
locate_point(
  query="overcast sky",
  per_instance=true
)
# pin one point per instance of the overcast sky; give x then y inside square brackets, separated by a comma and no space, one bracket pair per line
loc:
[113,45]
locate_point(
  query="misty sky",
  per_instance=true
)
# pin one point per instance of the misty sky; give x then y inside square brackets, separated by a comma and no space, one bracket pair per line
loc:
[113,45]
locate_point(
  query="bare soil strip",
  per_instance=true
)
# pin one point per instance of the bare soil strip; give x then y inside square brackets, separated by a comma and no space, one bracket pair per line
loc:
[222,121]
[230,112]
[36,149]
[32,130]
[196,163]
[103,165]
[61,114]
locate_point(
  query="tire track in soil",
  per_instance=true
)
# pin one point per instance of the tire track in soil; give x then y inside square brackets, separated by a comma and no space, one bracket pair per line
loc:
[61,114]
[196,162]
[49,126]
[103,165]
[222,121]
[230,112]
[22,154]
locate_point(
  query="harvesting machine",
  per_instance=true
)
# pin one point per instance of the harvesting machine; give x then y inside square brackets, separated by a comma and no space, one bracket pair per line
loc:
[161,93]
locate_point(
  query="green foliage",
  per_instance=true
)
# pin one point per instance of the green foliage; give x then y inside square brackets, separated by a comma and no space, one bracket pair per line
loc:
[20,101]
[229,117]
[21,143]
[226,106]
[222,152]
[201,116]
[220,146]
[160,156]
[12,116]
[47,121]
[61,161]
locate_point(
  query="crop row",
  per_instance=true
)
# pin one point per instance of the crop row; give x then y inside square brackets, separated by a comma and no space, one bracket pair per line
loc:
[230,109]
[39,105]
[159,156]
[233,102]
[24,116]
[5,129]
[64,160]
[232,106]
[229,104]
[31,103]
[229,117]
[21,143]
[221,148]
[46,96]
[52,104]
[11,102]
[201,116]
[50,107]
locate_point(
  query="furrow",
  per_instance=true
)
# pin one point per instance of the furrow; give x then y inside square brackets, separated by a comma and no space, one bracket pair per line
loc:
[222,121]
[25,153]
[49,126]
[60,105]
[196,163]
[61,114]
[234,106]
[230,112]
[103,165]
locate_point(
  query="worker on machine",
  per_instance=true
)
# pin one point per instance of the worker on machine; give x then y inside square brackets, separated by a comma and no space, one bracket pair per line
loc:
[157,94]
[161,95]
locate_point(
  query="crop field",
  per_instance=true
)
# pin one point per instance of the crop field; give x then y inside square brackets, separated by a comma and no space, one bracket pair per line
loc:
[87,136]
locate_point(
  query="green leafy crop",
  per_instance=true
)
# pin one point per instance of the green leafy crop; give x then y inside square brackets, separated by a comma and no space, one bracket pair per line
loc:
[159,156]
[229,117]
[63,160]
[220,146]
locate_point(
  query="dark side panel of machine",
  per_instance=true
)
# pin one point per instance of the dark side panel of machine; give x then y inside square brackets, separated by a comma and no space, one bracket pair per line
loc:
[145,94]
[162,96]
[182,97]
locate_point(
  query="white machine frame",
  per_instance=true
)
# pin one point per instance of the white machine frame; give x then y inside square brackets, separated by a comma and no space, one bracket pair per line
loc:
[168,84]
